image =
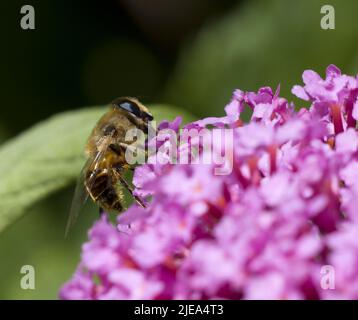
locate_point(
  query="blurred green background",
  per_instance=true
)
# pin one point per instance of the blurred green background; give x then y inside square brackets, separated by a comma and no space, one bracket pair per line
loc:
[190,54]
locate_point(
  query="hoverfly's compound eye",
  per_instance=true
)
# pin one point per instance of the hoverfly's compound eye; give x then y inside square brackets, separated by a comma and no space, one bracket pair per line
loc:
[129,106]
[132,107]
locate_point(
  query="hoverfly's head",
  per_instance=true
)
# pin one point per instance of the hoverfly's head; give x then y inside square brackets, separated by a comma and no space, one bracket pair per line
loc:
[135,111]
[134,107]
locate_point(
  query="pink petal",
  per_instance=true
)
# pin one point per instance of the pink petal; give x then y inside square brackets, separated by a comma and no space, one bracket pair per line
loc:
[300,92]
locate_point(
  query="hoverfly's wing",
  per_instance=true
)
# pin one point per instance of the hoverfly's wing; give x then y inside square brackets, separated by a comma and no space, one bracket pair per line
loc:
[81,195]
[79,198]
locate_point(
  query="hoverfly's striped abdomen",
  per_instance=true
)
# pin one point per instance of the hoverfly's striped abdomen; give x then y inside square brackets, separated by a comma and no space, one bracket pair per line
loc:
[102,189]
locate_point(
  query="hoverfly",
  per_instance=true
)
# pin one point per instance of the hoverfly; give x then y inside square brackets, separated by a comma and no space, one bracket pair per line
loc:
[102,176]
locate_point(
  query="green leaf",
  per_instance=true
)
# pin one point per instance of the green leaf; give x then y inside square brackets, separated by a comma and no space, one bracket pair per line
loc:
[49,156]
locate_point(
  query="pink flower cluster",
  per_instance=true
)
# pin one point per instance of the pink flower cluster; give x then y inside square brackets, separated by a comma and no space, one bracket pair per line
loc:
[288,208]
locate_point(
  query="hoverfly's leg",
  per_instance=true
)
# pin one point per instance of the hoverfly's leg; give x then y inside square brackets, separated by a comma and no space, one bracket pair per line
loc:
[121,148]
[130,189]
[101,212]
[132,147]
